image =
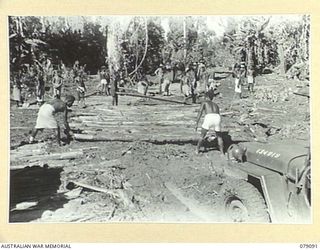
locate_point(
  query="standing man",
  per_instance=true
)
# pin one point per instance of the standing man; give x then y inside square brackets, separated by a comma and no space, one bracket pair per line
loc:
[114,78]
[212,119]
[250,79]
[159,74]
[81,89]
[237,80]
[46,119]
[16,92]
[104,81]
[57,82]
[202,77]
[192,82]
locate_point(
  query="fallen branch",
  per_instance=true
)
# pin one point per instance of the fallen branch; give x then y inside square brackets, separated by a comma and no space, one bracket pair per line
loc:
[116,193]
[302,94]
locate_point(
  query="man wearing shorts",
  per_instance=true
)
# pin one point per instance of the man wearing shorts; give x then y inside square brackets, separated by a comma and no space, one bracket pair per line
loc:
[104,81]
[46,119]
[212,119]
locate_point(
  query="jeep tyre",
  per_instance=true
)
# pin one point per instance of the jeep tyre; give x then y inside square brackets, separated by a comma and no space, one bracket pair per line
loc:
[241,202]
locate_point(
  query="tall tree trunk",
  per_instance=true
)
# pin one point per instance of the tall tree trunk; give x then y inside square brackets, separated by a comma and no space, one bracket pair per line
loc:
[281,58]
[250,53]
[113,47]
[259,52]
[266,54]
[184,40]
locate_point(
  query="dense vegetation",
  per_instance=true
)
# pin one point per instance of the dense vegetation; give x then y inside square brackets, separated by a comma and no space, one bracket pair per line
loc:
[144,43]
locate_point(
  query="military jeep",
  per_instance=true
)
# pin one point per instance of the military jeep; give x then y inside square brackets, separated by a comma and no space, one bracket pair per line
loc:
[269,183]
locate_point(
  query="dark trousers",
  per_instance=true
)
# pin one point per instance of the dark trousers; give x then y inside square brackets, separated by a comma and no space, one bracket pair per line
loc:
[115,100]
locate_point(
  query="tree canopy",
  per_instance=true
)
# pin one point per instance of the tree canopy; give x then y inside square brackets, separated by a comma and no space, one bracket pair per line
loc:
[145,43]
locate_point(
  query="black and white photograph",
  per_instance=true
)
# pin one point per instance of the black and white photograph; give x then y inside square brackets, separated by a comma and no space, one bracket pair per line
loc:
[160,119]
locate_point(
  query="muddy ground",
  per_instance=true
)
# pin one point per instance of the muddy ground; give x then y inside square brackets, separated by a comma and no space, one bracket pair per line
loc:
[164,182]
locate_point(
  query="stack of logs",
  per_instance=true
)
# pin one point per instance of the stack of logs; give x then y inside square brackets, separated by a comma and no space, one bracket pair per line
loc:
[161,123]
[38,155]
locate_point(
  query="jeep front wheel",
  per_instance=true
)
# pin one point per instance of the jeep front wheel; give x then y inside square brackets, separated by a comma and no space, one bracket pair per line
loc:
[241,202]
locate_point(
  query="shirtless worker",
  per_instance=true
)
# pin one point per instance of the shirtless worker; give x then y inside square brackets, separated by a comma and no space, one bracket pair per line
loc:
[212,119]
[46,117]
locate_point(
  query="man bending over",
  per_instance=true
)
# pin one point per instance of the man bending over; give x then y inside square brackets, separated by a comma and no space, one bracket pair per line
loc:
[47,120]
[212,119]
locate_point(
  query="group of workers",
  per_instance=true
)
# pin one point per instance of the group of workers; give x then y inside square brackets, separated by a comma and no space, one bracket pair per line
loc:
[193,77]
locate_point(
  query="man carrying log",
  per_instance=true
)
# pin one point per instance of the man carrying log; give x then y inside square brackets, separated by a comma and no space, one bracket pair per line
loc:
[212,119]
[47,120]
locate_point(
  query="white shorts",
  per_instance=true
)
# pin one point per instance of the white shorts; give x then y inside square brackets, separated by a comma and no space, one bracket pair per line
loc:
[250,79]
[104,81]
[237,85]
[46,117]
[212,121]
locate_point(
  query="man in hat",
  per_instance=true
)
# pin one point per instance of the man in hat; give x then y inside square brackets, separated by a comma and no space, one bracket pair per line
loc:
[212,119]
[46,119]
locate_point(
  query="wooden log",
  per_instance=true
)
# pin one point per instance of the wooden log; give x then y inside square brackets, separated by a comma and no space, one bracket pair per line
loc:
[139,119]
[83,137]
[94,188]
[140,134]
[152,97]
[152,139]
[271,110]
[141,123]
[49,164]
[19,128]
[53,156]
[29,147]
[150,115]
